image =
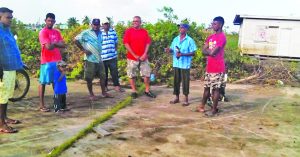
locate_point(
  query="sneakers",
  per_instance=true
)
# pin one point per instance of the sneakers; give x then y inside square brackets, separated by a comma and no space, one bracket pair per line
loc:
[150,94]
[134,95]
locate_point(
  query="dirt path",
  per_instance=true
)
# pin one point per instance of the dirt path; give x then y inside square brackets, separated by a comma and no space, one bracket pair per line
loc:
[40,132]
[258,121]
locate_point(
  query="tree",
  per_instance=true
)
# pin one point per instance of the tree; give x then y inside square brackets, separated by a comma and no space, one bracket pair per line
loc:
[168,13]
[72,22]
[86,20]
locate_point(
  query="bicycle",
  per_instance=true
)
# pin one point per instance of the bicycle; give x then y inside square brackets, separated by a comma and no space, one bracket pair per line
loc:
[22,84]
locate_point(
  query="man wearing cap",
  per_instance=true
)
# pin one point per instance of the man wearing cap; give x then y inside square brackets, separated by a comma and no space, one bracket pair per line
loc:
[137,42]
[182,48]
[109,54]
[51,41]
[215,67]
[10,61]
[90,42]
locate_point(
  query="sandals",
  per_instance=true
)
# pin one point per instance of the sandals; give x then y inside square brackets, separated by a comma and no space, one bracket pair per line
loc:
[198,109]
[12,121]
[212,113]
[175,101]
[107,95]
[185,104]
[92,98]
[8,130]
[44,109]
[121,90]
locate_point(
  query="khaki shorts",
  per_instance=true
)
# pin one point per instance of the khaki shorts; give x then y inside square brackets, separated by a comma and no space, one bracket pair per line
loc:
[214,80]
[92,70]
[134,66]
[7,86]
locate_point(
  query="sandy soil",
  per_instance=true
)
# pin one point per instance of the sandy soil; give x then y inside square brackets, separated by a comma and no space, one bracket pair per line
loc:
[258,121]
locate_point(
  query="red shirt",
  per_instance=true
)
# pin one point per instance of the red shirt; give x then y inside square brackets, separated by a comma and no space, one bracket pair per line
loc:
[216,64]
[137,39]
[48,36]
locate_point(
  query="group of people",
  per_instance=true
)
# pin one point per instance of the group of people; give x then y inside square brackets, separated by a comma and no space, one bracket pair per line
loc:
[100,55]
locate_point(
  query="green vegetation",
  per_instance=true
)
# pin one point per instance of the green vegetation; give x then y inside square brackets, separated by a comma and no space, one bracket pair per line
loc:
[106,116]
[162,33]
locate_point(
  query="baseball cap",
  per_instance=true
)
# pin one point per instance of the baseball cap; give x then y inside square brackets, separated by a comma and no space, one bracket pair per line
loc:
[184,25]
[61,63]
[96,22]
[105,21]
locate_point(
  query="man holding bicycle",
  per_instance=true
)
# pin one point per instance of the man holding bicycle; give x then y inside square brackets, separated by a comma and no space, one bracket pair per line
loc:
[10,61]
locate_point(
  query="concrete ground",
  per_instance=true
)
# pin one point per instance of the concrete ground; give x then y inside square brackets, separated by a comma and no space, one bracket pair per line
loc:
[258,121]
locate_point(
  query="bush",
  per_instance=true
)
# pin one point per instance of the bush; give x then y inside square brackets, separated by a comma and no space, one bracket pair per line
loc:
[162,34]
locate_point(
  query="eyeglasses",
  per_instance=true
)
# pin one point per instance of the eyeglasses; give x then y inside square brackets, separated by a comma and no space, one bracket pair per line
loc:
[136,21]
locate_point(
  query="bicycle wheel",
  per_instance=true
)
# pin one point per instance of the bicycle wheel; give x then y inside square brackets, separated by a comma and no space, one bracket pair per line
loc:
[21,86]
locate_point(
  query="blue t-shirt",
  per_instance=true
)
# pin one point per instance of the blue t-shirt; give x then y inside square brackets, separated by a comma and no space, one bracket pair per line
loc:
[60,87]
[10,55]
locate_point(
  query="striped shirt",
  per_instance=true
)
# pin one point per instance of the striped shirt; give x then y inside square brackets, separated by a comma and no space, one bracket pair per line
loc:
[110,39]
[187,45]
[10,58]
[91,42]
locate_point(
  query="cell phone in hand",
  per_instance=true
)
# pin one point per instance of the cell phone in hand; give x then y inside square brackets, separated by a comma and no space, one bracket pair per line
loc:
[178,51]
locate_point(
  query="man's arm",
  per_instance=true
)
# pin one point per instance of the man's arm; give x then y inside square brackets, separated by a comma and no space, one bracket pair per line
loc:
[63,73]
[78,44]
[206,51]
[130,51]
[60,44]
[145,55]
[187,54]
[51,46]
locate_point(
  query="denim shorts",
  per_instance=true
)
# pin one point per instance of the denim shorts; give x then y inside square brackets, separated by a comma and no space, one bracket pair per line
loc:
[47,73]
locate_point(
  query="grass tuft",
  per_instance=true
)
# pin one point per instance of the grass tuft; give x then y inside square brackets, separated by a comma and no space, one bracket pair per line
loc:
[106,116]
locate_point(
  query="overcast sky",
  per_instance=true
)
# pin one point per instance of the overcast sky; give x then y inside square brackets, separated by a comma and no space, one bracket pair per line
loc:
[33,11]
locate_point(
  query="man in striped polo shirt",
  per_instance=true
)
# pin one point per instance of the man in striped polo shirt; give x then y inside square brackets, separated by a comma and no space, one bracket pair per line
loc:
[109,54]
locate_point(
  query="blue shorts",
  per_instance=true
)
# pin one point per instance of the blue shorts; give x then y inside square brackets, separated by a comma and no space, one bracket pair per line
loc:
[47,73]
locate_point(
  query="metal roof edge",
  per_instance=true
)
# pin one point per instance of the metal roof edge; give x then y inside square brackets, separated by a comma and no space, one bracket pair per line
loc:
[238,20]
[294,18]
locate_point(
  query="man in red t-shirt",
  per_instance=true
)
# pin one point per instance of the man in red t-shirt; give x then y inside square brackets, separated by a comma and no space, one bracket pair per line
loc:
[51,41]
[137,42]
[215,68]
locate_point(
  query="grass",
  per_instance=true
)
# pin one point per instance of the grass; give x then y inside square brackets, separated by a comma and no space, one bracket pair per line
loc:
[67,144]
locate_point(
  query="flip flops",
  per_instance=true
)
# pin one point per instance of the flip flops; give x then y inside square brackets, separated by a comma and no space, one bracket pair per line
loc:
[212,114]
[107,95]
[121,90]
[12,121]
[175,101]
[8,130]
[44,109]
[185,104]
[198,109]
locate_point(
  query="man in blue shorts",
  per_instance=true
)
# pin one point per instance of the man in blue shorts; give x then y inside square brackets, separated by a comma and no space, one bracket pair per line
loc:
[51,41]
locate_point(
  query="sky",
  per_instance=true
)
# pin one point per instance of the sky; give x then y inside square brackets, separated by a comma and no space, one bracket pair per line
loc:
[199,11]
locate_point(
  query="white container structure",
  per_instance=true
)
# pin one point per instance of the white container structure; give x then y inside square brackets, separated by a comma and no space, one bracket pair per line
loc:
[268,36]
